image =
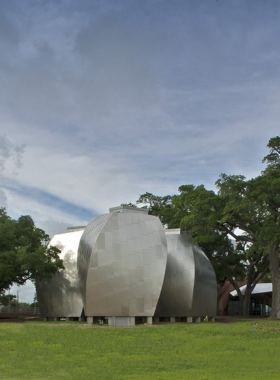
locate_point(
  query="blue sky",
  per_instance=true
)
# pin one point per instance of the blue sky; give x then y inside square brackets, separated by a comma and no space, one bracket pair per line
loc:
[101,101]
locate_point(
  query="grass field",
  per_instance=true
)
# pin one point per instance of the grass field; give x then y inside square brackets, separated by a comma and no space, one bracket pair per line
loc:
[49,350]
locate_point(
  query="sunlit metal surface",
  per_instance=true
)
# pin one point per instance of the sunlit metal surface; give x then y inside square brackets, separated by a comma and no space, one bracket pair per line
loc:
[121,263]
[61,296]
[189,288]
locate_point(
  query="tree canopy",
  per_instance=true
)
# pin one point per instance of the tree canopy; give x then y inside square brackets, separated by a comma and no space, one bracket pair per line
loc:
[24,252]
[226,225]
[265,192]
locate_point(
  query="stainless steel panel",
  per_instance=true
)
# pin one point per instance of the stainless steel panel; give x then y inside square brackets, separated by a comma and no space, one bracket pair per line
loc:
[61,296]
[189,288]
[134,241]
[89,241]
[205,286]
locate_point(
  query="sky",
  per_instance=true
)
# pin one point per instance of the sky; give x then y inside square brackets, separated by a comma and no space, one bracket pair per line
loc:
[104,100]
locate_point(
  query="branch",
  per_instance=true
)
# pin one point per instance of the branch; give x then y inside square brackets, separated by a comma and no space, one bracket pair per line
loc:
[236,237]
[235,285]
[242,226]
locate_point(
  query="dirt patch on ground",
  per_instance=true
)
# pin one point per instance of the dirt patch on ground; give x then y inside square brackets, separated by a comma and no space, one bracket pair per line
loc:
[237,318]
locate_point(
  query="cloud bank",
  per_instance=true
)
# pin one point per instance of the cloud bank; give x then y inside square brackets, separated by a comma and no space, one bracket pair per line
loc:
[103,101]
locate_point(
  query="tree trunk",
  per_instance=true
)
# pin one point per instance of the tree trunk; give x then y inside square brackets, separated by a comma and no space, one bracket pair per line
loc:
[246,301]
[241,304]
[275,276]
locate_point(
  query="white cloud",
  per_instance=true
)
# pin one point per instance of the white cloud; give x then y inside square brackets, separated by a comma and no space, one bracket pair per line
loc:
[42,214]
[25,293]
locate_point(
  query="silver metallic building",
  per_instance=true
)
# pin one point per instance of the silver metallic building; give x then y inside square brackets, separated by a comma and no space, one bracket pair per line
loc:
[189,288]
[61,296]
[124,265]
[121,265]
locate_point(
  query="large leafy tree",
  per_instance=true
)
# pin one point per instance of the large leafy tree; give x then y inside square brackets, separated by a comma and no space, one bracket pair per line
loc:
[225,226]
[265,192]
[208,218]
[24,252]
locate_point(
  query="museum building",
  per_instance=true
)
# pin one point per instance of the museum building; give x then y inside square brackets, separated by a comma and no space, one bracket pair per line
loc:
[124,268]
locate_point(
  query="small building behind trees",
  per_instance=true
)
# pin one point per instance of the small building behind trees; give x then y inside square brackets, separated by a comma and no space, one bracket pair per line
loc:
[260,300]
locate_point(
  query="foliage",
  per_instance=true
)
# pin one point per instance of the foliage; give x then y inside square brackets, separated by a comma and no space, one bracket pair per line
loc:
[212,351]
[273,158]
[201,215]
[24,252]
[226,226]
[264,191]
[162,207]
[6,299]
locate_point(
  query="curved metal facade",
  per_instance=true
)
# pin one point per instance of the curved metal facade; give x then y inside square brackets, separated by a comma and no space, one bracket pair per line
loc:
[124,264]
[121,263]
[189,288]
[61,296]
[205,285]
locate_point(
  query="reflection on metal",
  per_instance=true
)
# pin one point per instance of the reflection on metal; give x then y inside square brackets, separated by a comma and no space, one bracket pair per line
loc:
[205,285]
[121,263]
[60,296]
[189,288]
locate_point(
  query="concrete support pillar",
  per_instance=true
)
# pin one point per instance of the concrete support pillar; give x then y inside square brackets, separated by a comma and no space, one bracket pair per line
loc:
[189,319]
[211,319]
[150,320]
[56,319]
[132,321]
[121,321]
[197,319]
[172,319]
[90,320]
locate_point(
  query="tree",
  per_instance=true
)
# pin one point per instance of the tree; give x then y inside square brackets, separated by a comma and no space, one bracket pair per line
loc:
[24,252]
[265,192]
[273,158]
[6,299]
[213,220]
[225,226]
[162,207]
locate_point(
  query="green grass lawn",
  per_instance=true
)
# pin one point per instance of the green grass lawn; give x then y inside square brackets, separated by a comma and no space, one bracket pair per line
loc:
[49,350]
